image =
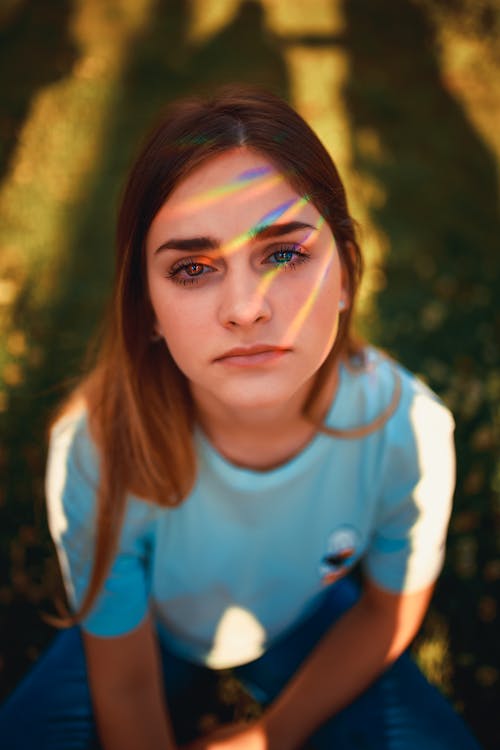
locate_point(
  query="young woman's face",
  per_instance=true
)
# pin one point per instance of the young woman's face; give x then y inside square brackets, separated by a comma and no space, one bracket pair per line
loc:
[237,259]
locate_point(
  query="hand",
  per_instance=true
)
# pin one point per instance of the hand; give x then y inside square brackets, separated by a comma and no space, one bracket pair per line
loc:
[238,736]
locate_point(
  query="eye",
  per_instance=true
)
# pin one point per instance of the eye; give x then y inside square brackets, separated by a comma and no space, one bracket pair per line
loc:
[287,256]
[193,269]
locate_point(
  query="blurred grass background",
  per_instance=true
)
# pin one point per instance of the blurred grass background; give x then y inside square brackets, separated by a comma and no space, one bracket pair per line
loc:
[406,96]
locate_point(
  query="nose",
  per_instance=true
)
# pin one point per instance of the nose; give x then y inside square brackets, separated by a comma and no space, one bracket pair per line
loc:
[244,300]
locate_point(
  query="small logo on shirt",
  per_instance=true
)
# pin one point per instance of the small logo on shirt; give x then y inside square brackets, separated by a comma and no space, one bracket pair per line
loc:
[343,544]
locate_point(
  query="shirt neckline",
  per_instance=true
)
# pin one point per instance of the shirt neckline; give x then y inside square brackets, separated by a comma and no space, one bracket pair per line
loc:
[247,478]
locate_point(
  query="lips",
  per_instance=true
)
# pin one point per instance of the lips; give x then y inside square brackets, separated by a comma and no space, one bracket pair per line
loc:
[248,355]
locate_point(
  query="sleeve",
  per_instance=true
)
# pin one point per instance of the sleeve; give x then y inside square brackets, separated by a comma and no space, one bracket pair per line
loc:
[71,482]
[406,550]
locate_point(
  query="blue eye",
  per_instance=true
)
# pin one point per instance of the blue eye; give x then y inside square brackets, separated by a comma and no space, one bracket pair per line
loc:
[289,253]
[290,256]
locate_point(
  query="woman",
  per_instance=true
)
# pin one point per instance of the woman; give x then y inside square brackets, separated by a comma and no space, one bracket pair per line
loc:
[230,458]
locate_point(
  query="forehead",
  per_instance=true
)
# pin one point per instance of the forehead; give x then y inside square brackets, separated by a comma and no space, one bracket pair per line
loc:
[228,194]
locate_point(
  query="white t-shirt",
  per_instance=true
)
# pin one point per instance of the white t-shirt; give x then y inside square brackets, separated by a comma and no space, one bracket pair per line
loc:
[248,553]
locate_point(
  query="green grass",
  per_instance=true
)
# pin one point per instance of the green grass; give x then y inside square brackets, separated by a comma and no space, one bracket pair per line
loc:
[416,93]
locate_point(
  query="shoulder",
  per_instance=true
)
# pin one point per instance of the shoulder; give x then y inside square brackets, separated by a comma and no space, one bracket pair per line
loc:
[71,447]
[412,443]
[73,473]
[384,397]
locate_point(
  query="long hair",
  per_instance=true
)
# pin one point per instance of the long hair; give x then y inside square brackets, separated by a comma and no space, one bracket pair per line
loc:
[140,412]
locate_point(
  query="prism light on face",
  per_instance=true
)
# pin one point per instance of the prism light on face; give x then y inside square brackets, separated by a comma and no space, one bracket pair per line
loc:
[251,181]
[281,288]
[298,321]
[303,311]
[284,212]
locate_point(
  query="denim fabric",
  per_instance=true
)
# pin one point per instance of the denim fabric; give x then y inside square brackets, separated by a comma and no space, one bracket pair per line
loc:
[51,709]
[400,711]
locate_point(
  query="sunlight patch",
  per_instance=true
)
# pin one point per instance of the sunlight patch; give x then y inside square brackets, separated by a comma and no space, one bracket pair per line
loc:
[239,638]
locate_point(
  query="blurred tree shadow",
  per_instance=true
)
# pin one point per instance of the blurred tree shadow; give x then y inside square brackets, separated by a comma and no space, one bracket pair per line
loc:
[35,49]
[244,51]
[442,275]
[438,312]
[161,65]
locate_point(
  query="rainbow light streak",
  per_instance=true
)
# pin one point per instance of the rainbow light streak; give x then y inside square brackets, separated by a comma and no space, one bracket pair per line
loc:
[270,217]
[252,174]
[262,182]
[253,181]
[297,322]
[268,278]
[285,211]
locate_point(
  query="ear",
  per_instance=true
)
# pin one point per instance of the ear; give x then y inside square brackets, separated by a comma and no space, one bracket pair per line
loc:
[156,334]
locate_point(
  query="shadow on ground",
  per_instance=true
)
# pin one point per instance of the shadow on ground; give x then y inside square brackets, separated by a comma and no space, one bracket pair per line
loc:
[442,276]
[439,313]
[34,50]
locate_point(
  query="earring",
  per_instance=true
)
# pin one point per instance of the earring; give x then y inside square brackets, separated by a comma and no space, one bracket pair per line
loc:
[342,305]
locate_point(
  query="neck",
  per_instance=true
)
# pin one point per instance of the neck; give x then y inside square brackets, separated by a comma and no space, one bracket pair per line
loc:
[263,438]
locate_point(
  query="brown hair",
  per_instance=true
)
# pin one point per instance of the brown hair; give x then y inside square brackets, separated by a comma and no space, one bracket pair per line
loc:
[140,412]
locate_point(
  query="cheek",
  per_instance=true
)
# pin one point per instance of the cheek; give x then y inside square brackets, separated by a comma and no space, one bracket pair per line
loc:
[327,297]
[183,336]
[324,313]
[181,318]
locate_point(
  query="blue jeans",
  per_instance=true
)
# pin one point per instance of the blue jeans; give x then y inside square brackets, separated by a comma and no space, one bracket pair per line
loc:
[51,709]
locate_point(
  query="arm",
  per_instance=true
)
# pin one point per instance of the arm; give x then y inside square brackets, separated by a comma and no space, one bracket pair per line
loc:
[121,650]
[364,642]
[357,648]
[406,551]
[127,691]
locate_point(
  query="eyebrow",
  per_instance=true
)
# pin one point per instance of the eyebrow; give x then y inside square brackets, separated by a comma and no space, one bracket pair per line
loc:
[264,231]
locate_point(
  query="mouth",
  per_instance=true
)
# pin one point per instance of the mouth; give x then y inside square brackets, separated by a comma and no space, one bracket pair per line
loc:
[252,357]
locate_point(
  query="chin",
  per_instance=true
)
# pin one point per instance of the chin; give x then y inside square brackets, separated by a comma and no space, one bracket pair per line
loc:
[256,400]
[252,402]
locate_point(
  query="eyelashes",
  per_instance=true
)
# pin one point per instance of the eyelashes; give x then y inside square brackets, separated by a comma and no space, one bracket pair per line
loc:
[189,263]
[291,257]
[300,257]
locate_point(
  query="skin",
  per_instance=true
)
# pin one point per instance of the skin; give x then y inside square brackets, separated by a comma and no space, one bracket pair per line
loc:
[252,415]
[247,290]
[359,646]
